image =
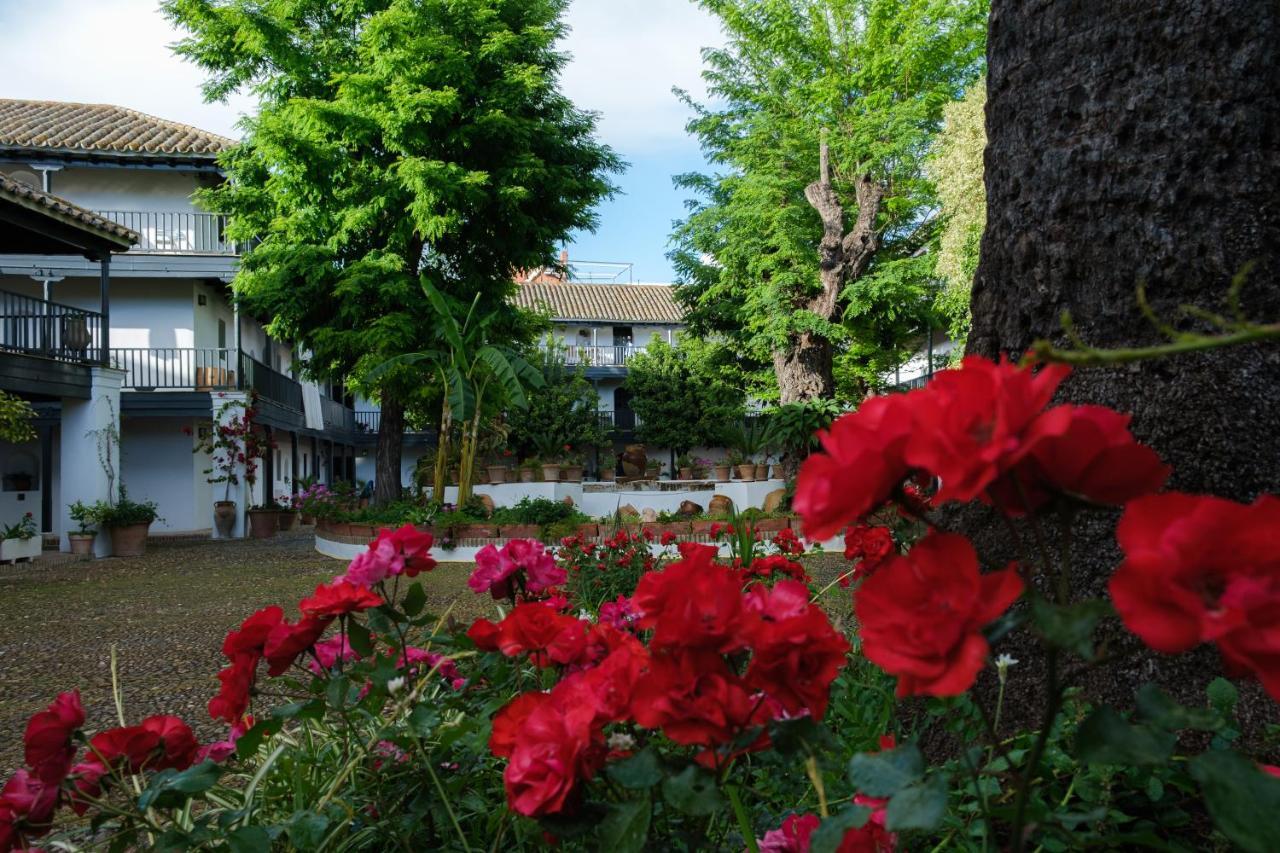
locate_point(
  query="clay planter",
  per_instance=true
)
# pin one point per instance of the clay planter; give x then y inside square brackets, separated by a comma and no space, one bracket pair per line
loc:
[608,475]
[475,531]
[526,475]
[520,531]
[573,473]
[551,473]
[129,541]
[657,528]
[722,473]
[286,519]
[308,519]
[762,472]
[82,543]
[747,473]
[770,525]
[263,523]
[686,473]
[497,474]
[224,518]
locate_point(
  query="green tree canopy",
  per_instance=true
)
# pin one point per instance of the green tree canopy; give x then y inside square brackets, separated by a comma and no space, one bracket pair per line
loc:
[793,254]
[563,412]
[683,396]
[397,141]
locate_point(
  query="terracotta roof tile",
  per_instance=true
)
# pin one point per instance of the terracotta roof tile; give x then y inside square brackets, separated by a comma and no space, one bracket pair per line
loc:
[19,193]
[56,126]
[623,303]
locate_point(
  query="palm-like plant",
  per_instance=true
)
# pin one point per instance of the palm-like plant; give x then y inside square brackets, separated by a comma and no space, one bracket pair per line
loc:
[472,371]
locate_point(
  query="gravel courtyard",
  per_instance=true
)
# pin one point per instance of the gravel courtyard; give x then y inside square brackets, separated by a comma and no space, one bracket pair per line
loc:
[165,612]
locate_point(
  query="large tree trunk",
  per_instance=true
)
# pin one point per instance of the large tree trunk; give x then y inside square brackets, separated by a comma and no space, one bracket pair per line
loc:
[386,478]
[1136,142]
[804,369]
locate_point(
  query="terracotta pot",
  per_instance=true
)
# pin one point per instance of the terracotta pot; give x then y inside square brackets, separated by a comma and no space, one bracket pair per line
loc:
[129,541]
[263,523]
[608,475]
[286,519]
[722,473]
[686,473]
[526,475]
[747,472]
[520,531]
[224,518]
[82,543]
[497,474]
[573,473]
[762,472]
[551,473]
[308,519]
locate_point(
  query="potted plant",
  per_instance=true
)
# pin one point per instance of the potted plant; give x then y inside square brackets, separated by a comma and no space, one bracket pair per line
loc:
[529,469]
[497,473]
[82,539]
[20,541]
[722,470]
[231,442]
[287,516]
[684,464]
[653,469]
[573,465]
[126,522]
[264,520]
[735,459]
[762,468]
[314,501]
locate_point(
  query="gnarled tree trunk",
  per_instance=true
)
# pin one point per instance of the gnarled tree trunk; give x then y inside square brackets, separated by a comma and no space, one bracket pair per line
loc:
[804,368]
[386,478]
[1136,142]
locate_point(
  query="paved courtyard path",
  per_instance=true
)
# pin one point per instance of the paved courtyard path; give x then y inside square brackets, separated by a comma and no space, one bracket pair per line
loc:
[166,613]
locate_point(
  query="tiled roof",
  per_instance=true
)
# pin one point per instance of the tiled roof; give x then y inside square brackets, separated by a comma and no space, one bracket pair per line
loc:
[623,303]
[28,197]
[56,126]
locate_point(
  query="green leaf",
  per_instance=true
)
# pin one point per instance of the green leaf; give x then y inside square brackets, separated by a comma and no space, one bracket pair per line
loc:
[883,774]
[625,829]
[249,839]
[1106,738]
[642,770]
[1069,627]
[693,791]
[169,788]
[918,806]
[414,600]
[336,692]
[423,720]
[1223,695]
[801,736]
[359,637]
[306,829]
[827,837]
[1242,799]
[249,742]
[1162,711]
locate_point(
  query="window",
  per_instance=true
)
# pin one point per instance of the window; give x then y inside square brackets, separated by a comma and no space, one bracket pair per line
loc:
[222,334]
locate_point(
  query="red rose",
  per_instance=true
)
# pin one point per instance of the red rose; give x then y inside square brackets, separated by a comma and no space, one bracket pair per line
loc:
[484,634]
[922,615]
[545,635]
[694,602]
[26,808]
[860,464]
[505,730]
[869,544]
[971,422]
[559,744]
[694,697]
[49,748]
[795,659]
[337,599]
[1204,569]
[252,633]
[178,744]
[287,641]
[415,545]
[129,748]
[1085,451]
[792,836]
[233,697]
[777,564]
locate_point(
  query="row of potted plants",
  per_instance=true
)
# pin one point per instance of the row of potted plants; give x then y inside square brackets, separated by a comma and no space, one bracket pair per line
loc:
[126,523]
[691,468]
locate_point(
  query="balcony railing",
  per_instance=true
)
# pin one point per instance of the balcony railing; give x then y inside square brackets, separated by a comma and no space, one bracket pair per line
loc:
[49,329]
[176,233]
[336,415]
[271,384]
[177,368]
[368,422]
[600,356]
[620,419]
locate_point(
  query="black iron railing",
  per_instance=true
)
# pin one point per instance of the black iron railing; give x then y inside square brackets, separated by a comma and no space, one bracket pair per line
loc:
[620,419]
[49,329]
[336,415]
[176,233]
[270,384]
[368,421]
[176,368]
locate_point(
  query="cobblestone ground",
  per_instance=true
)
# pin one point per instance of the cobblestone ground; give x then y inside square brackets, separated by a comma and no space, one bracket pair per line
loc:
[166,613]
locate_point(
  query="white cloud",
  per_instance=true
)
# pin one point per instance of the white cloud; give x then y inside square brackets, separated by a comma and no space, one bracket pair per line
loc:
[627,54]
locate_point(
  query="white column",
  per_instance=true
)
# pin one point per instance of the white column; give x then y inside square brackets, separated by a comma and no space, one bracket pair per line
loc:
[89,463]
[224,413]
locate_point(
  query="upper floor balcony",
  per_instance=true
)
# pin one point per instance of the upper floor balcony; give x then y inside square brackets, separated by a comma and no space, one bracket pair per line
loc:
[176,233]
[49,329]
[597,355]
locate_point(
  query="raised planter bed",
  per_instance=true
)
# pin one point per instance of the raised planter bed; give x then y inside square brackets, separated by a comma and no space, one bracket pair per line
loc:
[770,525]
[677,528]
[520,531]
[475,531]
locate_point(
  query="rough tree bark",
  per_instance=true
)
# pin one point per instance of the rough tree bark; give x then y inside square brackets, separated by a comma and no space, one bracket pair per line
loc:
[804,368]
[386,477]
[1135,142]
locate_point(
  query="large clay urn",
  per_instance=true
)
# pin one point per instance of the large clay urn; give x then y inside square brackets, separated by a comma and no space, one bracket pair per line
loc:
[634,460]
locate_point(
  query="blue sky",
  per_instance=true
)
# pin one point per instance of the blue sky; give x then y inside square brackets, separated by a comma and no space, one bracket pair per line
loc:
[627,54]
